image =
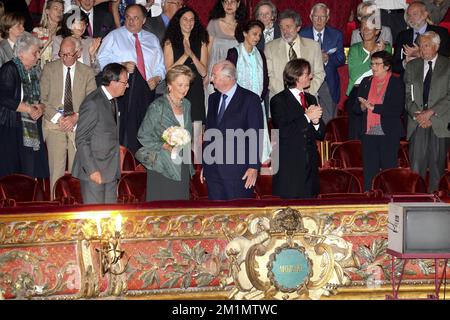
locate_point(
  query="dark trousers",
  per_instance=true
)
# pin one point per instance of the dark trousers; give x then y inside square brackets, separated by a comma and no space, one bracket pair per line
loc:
[94,193]
[395,21]
[354,119]
[228,190]
[379,153]
[427,151]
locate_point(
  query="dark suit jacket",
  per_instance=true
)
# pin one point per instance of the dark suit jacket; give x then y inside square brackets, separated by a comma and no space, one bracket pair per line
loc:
[332,38]
[97,139]
[103,21]
[297,146]
[232,56]
[407,36]
[391,109]
[276,34]
[156,26]
[243,112]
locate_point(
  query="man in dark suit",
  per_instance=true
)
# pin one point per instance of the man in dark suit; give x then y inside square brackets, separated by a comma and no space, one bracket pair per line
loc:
[297,116]
[332,46]
[231,157]
[427,104]
[97,160]
[158,25]
[406,46]
[101,20]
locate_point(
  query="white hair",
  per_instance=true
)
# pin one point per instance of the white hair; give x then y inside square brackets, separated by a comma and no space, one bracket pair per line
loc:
[75,41]
[227,69]
[24,43]
[319,6]
[435,38]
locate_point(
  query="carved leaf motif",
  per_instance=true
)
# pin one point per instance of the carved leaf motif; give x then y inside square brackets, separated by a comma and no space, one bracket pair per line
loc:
[141,258]
[187,252]
[173,277]
[186,281]
[149,277]
[204,279]
[426,266]
[365,253]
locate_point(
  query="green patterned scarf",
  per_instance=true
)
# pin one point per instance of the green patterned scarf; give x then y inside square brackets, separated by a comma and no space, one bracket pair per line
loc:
[31,95]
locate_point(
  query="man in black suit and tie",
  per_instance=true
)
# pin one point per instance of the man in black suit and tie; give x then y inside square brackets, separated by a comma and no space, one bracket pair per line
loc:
[101,20]
[406,44]
[231,153]
[297,116]
[97,160]
[158,25]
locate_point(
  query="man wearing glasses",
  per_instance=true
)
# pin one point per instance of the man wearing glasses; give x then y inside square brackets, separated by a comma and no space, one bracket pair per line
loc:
[64,85]
[332,46]
[158,25]
[140,52]
[97,160]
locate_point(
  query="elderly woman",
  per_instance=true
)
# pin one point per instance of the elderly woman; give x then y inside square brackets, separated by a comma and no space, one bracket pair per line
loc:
[21,142]
[251,69]
[11,27]
[359,68]
[297,115]
[266,12]
[74,24]
[167,179]
[50,24]
[381,101]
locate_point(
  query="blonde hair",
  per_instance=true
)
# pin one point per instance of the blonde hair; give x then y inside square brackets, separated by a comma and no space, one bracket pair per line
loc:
[47,6]
[179,70]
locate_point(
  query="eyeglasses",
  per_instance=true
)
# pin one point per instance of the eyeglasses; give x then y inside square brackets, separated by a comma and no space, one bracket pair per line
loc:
[67,55]
[376,63]
[123,82]
[319,17]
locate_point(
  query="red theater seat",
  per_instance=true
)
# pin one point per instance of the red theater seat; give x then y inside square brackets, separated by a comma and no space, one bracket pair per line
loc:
[67,190]
[399,181]
[337,130]
[347,155]
[127,161]
[263,187]
[403,156]
[338,181]
[21,188]
[444,183]
[344,79]
[132,187]
[358,173]
[198,190]
[140,167]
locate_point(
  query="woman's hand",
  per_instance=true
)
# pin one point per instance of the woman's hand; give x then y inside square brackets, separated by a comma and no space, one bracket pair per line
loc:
[187,48]
[167,147]
[95,44]
[365,104]
[36,111]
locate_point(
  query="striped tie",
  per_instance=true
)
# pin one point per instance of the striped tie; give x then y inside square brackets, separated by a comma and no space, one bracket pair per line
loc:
[292,54]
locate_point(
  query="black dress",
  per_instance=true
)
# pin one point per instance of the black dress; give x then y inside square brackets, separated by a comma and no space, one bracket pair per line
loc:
[14,157]
[195,94]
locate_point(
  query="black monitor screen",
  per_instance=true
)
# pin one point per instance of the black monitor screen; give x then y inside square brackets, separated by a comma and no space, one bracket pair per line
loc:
[427,230]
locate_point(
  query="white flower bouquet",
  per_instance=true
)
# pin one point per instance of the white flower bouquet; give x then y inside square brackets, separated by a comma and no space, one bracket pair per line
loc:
[176,137]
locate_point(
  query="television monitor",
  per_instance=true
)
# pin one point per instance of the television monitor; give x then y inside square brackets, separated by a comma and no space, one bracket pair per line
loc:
[419,227]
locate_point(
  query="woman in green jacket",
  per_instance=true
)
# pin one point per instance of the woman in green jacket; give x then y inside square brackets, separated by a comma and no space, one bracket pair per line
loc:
[359,68]
[168,175]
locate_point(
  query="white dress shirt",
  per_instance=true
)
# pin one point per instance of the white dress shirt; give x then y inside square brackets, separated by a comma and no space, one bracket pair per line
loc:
[426,66]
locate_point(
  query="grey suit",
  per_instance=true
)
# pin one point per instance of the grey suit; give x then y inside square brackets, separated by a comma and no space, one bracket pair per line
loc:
[156,26]
[428,147]
[98,148]
[6,52]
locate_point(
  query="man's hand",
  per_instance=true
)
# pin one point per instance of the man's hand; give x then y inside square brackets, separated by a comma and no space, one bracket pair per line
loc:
[423,118]
[67,123]
[314,113]
[96,177]
[411,51]
[202,178]
[153,82]
[325,57]
[130,65]
[250,177]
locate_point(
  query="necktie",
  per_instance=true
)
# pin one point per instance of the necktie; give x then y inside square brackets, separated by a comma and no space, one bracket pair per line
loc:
[268,35]
[89,28]
[222,108]
[427,85]
[319,35]
[303,100]
[292,54]
[68,105]
[140,56]
[416,40]
[114,108]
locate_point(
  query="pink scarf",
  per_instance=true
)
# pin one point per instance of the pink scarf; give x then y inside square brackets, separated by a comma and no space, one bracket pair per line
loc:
[373,119]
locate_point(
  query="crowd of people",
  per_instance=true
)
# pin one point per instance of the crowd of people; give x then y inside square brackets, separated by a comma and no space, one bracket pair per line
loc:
[93,75]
